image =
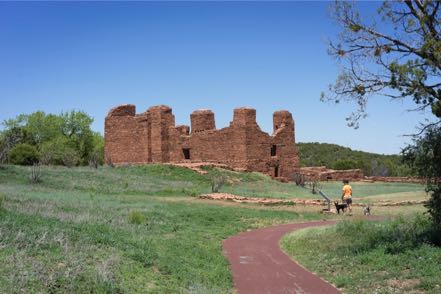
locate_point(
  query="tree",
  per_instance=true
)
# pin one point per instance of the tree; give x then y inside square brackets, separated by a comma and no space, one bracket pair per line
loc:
[425,157]
[23,154]
[60,139]
[400,60]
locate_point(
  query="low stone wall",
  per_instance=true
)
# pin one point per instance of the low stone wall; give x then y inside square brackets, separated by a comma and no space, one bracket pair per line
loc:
[321,173]
[395,179]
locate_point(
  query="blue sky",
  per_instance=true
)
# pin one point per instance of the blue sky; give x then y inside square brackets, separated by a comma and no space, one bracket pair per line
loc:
[58,56]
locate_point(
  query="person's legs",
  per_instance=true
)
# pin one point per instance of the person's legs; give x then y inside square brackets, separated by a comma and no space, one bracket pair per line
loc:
[349,202]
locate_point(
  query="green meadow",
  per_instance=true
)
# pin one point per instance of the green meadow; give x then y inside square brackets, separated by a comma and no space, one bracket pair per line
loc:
[121,230]
[133,229]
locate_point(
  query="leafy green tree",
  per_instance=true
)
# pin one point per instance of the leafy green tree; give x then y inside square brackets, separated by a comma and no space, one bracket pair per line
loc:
[60,139]
[23,154]
[397,55]
[344,164]
[424,156]
[76,127]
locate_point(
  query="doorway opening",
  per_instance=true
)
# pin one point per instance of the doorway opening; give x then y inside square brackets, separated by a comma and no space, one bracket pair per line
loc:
[186,152]
[273,150]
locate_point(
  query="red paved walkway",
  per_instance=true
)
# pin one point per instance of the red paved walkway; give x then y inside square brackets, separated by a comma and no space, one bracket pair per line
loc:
[259,266]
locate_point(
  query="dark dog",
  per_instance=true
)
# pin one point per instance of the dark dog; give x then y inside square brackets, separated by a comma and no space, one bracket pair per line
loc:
[367,210]
[339,207]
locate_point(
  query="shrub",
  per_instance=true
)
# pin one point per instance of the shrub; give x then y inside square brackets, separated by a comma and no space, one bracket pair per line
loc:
[217,181]
[23,154]
[299,179]
[70,157]
[136,217]
[315,186]
[344,164]
[2,199]
[60,151]
[35,173]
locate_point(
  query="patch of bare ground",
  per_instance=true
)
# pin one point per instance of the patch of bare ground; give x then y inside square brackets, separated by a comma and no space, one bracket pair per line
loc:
[404,284]
[291,201]
[197,166]
[263,201]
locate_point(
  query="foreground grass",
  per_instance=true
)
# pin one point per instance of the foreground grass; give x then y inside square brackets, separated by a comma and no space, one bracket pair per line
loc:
[370,257]
[118,231]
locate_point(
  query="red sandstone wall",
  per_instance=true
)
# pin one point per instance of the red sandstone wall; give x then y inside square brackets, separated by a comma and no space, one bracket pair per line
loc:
[153,137]
[322,173]
[125,136]
[202,120]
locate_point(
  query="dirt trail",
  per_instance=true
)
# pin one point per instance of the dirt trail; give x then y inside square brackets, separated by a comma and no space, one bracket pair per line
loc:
[259,266]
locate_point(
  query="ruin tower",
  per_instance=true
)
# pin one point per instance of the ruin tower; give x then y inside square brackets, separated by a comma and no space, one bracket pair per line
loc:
[283,149]
[160,120]
[244,116]
[202,120]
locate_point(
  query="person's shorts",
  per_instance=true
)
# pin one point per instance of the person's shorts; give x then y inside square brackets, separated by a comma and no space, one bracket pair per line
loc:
[348,201]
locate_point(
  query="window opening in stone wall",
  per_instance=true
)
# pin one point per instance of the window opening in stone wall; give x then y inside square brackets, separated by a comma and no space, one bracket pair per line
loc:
[186,152]
[273,150]
[276,172]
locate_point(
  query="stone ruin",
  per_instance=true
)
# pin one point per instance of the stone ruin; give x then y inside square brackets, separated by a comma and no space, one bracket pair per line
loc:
[152,137]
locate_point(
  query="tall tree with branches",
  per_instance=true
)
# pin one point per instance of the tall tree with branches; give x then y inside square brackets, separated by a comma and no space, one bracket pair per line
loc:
[397,55]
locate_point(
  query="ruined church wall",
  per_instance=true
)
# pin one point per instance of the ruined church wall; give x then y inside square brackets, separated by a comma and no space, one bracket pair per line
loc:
[284,139]
[125,135]
[153,137]
[224,145]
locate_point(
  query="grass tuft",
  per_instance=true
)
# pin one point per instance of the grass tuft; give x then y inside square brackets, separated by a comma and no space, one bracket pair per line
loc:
[136,217]
[2,200]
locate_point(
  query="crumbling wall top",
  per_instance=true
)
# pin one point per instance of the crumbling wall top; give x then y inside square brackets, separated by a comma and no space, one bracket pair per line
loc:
[244,116]
[160,108]
[202,120]
[123,110]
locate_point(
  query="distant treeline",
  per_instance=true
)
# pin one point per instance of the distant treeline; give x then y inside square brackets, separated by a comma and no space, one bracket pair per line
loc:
[339,158]
[56,139]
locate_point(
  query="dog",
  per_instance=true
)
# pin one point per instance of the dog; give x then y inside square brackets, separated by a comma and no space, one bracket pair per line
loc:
[367,210]
[341,206]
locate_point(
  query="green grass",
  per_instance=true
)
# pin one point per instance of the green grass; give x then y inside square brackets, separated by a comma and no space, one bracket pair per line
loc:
[362,189]
[116,231]
[371,257]
[170,180]
[128,229]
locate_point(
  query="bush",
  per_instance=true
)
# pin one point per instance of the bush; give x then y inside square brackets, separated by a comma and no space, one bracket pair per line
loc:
[23,154]
[59,152]
[136,217]
[217,181]
[299,179]
[70,157]
[2,199]
[315,186]
[35,176]
[344,164]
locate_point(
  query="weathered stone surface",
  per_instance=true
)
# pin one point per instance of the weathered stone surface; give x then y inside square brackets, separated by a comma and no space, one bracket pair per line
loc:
[152,137]
[202,120]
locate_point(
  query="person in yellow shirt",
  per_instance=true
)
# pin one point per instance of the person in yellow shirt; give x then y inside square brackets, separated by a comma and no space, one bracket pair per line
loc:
[346,194]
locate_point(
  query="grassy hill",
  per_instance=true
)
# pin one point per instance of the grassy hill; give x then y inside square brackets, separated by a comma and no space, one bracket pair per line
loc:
[339,157]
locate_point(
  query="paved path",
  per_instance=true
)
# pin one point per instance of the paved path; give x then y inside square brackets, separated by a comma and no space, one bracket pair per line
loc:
[259,266]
